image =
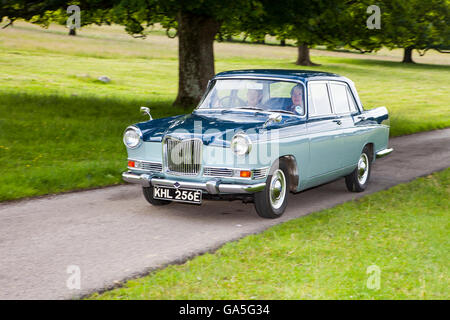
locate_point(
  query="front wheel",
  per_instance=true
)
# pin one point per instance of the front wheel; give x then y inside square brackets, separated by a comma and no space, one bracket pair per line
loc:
[148,194]
[272,201]
[358,180]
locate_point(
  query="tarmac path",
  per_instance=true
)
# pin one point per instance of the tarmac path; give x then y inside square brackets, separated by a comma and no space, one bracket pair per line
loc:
[112,234]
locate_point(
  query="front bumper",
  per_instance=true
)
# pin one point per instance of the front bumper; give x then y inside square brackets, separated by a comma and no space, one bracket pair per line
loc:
[213,186]
[384,152]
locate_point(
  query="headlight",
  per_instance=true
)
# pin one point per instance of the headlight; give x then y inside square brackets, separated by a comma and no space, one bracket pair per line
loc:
[132,137]
[241,144]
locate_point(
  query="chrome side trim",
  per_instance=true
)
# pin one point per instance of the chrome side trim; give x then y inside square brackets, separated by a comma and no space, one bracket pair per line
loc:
[384,152]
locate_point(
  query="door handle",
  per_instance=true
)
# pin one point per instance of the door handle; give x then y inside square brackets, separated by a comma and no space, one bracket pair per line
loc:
[339,122]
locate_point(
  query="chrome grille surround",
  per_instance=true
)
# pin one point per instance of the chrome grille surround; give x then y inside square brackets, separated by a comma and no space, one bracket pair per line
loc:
[182,157]
[260,173]
[146,165]
[218,172]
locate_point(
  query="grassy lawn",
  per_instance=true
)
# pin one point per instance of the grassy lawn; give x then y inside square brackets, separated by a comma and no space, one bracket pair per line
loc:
[61,128]
[403,231]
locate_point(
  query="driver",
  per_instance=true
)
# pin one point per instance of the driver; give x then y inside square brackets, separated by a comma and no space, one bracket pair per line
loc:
[297,106]
[254,97]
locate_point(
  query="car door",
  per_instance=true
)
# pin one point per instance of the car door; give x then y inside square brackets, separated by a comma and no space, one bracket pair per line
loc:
[323,131]
[344,109]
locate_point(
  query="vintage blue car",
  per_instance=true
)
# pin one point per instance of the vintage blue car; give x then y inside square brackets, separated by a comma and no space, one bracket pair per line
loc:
[256,135]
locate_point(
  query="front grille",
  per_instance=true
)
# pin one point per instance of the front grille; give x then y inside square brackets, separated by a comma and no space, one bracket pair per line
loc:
[217,172]
[183,157]
[260,173]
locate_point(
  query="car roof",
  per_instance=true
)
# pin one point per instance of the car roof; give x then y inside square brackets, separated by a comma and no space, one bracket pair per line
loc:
[288,74]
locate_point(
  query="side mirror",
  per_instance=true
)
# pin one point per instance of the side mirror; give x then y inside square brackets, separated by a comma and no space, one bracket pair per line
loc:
[145,110]
[273,117]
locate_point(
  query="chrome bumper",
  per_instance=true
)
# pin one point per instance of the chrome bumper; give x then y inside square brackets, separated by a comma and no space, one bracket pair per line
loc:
[213,186]
[384,152]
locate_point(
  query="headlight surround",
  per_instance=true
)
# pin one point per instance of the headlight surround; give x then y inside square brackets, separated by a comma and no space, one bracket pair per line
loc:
[132,137]
[241,144]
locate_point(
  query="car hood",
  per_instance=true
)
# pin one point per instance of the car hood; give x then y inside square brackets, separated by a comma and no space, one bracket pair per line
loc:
[212,127]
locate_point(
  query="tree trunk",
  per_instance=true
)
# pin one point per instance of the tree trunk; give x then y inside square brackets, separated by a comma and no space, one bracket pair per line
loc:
[283,42]
[72,32]
[303,58]
[196,56]
[407,55]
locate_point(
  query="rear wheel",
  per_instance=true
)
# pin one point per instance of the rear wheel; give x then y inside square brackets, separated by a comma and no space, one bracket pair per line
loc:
[148,194]
[358,180]
[272,201]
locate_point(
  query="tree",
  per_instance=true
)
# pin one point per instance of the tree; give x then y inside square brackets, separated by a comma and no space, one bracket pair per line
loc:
[196,23]
[308,22]
[22,9]
[416,25]
[353,29]
[49,11]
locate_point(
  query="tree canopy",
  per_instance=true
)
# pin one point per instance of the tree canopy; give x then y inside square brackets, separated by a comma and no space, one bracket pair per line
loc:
[413,24]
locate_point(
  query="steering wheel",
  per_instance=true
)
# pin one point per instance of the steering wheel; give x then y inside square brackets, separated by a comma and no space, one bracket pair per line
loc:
[229,101]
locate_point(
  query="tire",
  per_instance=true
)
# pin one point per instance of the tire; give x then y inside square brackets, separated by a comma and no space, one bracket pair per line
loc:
[272,201]
[148,194]
[358,180]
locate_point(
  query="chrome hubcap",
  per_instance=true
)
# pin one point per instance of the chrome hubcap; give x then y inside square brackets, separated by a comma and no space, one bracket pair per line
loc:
[363,169]
[277,189]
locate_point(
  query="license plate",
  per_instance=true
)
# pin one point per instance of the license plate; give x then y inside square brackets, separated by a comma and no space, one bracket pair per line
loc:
[174,194]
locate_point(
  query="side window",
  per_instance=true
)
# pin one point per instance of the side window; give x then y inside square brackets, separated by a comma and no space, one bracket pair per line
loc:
[340,99]
[351,101]
[319,100]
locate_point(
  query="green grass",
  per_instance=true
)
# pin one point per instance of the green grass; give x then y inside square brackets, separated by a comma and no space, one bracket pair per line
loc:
[403,231]
[61,129]
[74,144]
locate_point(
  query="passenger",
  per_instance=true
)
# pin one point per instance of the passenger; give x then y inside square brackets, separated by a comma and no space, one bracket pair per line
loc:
[297,105]
[254,97]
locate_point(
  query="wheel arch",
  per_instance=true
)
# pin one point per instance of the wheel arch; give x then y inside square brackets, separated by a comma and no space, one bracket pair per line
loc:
[291,163]
[371,147]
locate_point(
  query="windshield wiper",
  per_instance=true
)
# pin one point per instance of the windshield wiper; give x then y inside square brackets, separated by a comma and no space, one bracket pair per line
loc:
[251,108]
[282,111]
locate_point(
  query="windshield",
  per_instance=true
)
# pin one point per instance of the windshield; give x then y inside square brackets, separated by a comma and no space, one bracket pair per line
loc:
[266,95]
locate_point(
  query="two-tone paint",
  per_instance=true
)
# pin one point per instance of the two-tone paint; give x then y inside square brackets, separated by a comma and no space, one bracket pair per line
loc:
[318,149]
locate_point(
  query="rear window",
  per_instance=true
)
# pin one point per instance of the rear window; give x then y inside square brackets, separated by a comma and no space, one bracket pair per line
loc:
[340,99]
[351,101]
